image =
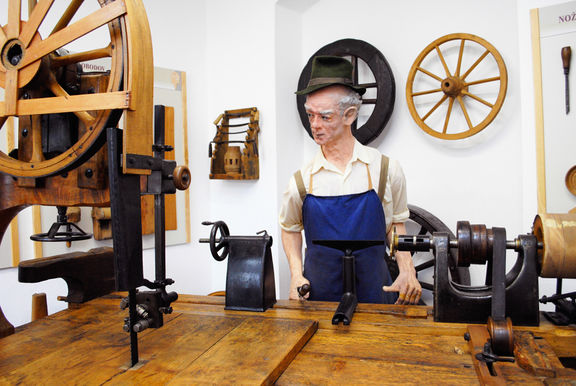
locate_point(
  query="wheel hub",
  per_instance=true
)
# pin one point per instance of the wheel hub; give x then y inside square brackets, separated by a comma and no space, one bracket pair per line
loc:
[12,54]
[453,86]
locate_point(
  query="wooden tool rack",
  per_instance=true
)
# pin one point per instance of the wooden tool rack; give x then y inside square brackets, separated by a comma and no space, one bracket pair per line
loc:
[232,162]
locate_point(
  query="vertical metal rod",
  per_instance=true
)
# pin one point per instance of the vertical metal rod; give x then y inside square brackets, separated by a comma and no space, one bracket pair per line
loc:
[558,291]
[159,236]
[133,334]
[159,202]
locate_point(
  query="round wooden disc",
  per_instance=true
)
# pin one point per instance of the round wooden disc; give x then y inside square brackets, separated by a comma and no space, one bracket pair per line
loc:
[571,180]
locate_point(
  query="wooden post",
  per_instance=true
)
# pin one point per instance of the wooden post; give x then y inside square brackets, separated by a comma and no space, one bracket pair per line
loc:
[39,306]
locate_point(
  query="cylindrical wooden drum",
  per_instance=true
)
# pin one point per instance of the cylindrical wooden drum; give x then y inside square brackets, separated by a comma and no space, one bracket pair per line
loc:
[557,233]
[232,159]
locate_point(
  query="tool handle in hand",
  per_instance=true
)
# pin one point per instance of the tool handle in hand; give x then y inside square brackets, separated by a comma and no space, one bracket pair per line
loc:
[566,55]
[303,290]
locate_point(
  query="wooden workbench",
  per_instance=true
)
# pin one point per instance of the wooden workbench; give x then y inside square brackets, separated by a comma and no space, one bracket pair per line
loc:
[293,343]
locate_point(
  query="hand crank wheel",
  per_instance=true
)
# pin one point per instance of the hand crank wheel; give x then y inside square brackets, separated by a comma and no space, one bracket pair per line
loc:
[383,83]
[217,242]
[426,224]
[467,82]
[31,74]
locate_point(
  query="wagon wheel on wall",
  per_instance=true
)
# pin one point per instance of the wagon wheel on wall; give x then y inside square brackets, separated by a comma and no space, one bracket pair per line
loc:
[358,51]
[452,85]
[425,223]
[32,74]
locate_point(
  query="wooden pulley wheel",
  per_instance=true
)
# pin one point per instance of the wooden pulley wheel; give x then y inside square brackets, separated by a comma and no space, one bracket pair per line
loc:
[502,336]
[31,73]
[570,180]
[556,233]
[182,177]
[384,84]
[476,73]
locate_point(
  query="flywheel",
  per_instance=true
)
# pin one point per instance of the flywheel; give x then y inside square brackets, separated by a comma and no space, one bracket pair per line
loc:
[37,73]
[456,76]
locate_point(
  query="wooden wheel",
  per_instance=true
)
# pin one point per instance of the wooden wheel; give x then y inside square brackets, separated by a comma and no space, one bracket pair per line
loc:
[32,68]
[421,223]
[476,81]
[380,92]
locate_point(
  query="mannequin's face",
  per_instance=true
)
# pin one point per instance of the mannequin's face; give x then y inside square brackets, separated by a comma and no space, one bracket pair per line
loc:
[327,123]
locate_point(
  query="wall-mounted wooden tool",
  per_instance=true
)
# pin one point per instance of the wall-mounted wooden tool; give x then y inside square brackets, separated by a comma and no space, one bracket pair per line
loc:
[566,55]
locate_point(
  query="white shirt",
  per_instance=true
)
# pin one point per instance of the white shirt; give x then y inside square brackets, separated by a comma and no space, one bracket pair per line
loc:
[327,180]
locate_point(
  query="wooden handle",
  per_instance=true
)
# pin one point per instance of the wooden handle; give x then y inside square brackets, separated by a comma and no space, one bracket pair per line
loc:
[566,55]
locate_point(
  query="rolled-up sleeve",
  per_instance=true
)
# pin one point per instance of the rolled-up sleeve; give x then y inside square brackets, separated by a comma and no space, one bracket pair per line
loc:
[399,195]
[290,217]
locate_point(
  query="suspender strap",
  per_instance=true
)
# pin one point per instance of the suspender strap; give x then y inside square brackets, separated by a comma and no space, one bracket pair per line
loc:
[383,177]
[300,184]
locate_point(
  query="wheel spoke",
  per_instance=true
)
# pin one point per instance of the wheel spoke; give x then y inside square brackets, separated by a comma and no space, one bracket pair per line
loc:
[68,15]
[475,64]
[483,81]
[34,21]
[220,246]
[3,120]
[31,5]
[13,28]
[74,31]
[59,61]
[443,61]
[461,102]
[426,92]
[435,107]
[450,104]
[11,96]
[422,231]
[430,74]
[36,133]
[478,99]
[460,54]
[426,286]
[3,37]
[424,265]
[55,87]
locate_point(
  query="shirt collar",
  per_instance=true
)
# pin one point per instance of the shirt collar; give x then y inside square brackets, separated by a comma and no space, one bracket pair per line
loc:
[358,154]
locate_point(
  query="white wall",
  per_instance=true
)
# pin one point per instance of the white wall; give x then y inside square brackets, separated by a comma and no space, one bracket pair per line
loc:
[250,53]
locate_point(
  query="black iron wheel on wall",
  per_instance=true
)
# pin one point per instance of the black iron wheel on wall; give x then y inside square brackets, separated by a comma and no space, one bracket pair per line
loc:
[358,51]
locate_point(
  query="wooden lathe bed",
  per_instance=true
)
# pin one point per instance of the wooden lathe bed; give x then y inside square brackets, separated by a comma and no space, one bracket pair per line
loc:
[292,343]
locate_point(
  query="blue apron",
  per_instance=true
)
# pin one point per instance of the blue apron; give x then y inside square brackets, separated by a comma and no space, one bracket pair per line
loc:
[349,217]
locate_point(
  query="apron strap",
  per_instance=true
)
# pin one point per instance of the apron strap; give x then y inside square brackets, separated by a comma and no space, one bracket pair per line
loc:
[370,186]
[383,177]
[300,184]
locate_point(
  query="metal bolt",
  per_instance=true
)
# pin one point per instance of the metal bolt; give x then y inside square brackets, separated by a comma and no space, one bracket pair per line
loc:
[89,173]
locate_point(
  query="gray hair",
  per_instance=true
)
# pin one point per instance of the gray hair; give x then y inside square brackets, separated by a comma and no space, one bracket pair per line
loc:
[350,99]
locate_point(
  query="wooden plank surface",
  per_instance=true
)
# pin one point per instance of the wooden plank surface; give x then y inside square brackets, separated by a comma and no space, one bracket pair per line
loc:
[292,343]
[256,352]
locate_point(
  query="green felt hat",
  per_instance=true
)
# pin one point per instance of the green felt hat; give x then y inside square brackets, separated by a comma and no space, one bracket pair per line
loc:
[328,71]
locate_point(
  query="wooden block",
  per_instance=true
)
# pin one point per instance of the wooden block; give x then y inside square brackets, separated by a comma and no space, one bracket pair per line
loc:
[256,352]
[39,306]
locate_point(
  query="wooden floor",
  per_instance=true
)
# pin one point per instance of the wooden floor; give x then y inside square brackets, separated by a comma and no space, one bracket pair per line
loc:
[293,343]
